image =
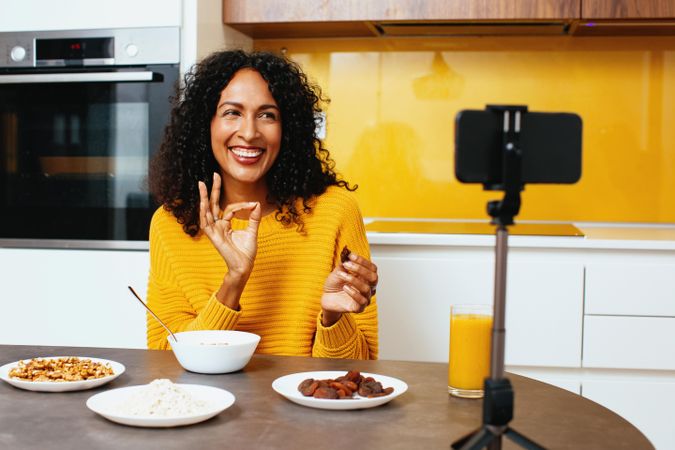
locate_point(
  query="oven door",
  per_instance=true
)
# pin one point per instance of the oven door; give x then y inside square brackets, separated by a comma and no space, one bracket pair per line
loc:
[74,152]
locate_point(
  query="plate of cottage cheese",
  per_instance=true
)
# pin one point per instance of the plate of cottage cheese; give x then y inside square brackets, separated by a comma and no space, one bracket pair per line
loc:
[161,404]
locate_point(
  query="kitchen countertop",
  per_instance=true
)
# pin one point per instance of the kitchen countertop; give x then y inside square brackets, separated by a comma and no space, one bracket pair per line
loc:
[454,233]
[524,234]
[457,227]
[423,417]
[654,233]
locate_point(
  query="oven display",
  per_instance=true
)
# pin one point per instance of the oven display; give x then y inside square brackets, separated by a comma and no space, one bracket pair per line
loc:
[73,49]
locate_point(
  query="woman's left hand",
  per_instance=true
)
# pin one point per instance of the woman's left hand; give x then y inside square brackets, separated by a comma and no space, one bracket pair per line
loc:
[348,288]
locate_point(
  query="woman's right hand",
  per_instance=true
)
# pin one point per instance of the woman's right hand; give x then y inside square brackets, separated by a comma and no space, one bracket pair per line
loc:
[237,247]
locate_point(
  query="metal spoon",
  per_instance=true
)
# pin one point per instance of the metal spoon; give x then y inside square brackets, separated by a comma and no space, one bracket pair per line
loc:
[153,314]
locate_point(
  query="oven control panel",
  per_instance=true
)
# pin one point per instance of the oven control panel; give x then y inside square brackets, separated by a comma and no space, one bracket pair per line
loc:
[116,47]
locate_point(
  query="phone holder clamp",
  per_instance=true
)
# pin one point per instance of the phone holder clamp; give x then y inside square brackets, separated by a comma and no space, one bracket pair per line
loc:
[503,211]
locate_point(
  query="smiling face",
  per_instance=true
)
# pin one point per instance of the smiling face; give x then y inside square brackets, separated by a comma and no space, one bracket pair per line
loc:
[246,132]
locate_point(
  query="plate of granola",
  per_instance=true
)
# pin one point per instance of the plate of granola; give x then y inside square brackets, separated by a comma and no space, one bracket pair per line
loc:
[60,373]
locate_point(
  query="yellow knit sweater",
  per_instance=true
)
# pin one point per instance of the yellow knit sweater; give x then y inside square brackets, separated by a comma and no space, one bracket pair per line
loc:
[282,299]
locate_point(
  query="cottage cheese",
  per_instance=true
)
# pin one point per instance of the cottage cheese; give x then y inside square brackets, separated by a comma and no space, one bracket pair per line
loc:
[162,398]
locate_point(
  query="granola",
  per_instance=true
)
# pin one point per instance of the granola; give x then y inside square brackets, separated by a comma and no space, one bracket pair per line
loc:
[62,369]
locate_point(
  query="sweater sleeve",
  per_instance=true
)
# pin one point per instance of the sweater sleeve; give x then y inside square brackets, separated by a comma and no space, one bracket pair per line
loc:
[169,302]
[354,336]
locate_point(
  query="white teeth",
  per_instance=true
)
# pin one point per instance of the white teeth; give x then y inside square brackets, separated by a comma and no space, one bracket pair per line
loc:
[246,153]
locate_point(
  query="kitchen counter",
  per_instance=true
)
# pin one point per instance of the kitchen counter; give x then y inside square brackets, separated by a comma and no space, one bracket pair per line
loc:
[653,233]
[423,417]
[460,227]
[522,235]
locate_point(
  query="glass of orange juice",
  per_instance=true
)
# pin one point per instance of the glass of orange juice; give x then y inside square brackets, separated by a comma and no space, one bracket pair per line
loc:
[469,359]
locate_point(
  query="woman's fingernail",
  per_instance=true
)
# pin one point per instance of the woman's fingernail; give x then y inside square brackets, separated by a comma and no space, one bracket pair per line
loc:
[349,265]
[343,275]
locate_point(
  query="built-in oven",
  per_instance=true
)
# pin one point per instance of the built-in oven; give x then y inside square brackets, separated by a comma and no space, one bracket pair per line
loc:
[81,114]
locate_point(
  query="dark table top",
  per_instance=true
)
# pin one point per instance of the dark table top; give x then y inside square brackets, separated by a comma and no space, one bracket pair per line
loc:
[423,417]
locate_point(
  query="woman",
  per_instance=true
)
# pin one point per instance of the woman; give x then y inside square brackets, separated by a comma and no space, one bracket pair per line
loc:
[254,219]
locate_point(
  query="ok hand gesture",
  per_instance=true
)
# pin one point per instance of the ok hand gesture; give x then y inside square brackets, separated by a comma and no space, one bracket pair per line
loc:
[237,247]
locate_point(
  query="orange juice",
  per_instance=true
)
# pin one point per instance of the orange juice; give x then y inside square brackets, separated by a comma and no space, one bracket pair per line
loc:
[469,359]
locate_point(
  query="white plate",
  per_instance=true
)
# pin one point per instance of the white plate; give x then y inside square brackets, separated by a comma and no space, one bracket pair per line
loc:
[288,387]
[61,386]
[109,402]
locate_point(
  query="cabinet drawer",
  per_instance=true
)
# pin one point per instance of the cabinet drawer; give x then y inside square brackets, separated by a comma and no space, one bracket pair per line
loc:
[629,342]
[630,289]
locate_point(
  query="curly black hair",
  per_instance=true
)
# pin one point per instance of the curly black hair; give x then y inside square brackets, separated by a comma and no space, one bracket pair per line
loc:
[303,169]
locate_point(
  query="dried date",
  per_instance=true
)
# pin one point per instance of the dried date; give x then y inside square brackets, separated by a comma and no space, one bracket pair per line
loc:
[344,255]
[308,387]
[326,392]
[344,387]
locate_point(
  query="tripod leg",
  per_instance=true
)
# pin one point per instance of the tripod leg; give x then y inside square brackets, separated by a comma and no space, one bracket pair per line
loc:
[521,440]
[475,441]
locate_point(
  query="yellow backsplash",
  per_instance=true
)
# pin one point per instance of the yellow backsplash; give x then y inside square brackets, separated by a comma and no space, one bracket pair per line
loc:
[393,102]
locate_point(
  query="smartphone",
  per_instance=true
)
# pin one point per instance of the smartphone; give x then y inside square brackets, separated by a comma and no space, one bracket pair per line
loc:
[550,144]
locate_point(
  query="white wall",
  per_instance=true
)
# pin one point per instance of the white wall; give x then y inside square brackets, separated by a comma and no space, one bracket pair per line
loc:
[203,32]
[32,15]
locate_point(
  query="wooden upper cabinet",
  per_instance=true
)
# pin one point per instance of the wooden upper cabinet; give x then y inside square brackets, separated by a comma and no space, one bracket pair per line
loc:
[333,18]
[627,9]
[259,11]
[626,18]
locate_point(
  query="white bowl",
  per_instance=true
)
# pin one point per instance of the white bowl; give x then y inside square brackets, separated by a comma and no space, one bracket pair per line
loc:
[214,351]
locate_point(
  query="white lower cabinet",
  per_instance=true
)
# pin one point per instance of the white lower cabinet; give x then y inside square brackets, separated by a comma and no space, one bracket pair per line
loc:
[635,355]
[414,297]
[73,297]
[543,308]
[646,402]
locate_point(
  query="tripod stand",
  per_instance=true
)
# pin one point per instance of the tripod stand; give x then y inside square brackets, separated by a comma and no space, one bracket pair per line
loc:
[498,398]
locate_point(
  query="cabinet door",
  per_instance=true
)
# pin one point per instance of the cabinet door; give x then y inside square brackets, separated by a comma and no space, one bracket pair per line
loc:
[304,11]
[414,295]
[646,403]
[543,307]
[627,9]
[73,297]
